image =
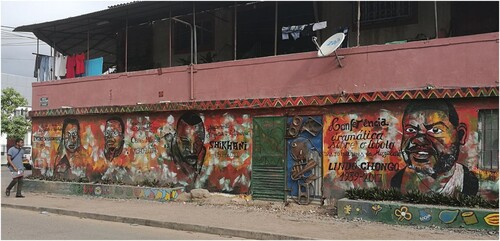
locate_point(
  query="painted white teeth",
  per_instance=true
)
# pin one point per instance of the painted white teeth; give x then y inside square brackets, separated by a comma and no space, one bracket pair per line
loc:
[423,153]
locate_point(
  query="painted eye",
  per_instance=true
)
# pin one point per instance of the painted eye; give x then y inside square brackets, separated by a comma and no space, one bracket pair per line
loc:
[435,130]
[411,130]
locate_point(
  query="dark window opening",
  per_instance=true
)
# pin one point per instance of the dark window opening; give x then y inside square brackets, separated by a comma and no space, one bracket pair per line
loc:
[376,14]
[468,18]
[255,30]
[293,14]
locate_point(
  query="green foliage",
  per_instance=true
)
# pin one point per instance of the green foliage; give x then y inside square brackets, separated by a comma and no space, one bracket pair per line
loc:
[378,194]
[13,126]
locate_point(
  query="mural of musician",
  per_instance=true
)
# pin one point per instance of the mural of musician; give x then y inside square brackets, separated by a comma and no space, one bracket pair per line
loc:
[430,146]
[70,160]
[114,139]
[304,134]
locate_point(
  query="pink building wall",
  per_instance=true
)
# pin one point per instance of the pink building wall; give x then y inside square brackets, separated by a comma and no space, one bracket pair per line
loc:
[470,61]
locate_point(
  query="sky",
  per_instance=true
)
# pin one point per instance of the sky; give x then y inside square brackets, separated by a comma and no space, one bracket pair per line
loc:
[17,48]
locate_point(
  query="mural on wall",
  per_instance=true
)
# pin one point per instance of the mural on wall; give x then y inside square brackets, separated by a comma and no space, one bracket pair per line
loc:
[229,145]
[419,215]
[126,192]
[422,147]
[116,166]
[189,150]
[426,144]
[432,136]
[360,150]
[304,147]
[186,145]
[70,161]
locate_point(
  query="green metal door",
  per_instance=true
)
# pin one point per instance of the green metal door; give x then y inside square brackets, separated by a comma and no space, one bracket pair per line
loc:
[268,165]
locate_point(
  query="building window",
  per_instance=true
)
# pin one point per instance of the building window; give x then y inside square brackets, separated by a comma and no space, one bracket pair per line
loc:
[488,127]
[373,13]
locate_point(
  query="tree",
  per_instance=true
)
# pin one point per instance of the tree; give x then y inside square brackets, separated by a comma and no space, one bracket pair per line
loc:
[12,125]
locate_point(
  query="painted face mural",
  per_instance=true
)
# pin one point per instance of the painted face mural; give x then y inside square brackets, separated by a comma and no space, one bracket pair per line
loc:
[430,146]
[71,137]
[70,141]
[431,142]
[187,146]
[113,136]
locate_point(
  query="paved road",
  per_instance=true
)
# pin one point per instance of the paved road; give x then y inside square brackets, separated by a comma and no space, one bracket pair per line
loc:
[30,225]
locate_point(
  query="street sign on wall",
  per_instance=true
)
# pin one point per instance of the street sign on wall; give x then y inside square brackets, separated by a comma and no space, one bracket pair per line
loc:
[44,101]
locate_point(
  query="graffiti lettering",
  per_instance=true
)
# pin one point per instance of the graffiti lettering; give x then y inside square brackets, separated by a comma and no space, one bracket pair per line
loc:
[342,166]
[137,126]
[353,124]
[229,145]
[361,135]
[342,144]
[48,138]
[364,166]
[50,127]
[147,139]
[366,177]
[377,145]
[388,153]
[225,154]
[379,166]
[145,150]
[214,131]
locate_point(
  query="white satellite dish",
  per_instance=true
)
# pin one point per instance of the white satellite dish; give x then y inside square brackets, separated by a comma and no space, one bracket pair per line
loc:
[330,46]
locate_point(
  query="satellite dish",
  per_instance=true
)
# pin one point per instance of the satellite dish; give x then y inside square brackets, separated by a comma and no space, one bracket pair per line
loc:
[330,46]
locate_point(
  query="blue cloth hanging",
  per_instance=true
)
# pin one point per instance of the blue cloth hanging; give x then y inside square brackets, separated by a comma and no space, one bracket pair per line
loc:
[93,67]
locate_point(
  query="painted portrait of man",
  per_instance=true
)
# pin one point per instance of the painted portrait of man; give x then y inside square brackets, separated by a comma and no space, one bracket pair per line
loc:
[430,146]
[68,147]
[113,137]
[187,145]
[118,166]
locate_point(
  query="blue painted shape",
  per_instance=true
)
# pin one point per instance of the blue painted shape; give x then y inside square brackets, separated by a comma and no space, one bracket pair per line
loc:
[424,216]
[314,143]
[448,216]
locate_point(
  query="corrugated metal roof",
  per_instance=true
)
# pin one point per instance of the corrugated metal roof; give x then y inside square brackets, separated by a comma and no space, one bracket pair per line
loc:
[98,30]
[121,4]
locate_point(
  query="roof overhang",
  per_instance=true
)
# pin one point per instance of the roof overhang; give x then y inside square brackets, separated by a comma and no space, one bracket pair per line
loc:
[97,31]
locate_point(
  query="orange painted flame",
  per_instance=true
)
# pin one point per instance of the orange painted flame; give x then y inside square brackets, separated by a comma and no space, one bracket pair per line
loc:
[491,219]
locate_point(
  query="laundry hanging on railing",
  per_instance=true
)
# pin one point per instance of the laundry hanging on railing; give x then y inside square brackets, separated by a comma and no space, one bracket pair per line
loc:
[70,66]
[60,68]
[45,66]
[38,60]
[80,64]
[93,67]
[296,31]
[75,65]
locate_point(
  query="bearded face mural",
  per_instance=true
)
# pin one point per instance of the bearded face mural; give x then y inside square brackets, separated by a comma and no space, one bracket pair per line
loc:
[432,136]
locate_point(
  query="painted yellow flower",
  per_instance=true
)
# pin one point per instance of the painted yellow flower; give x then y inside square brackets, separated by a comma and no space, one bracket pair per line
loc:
[347,209]
[403,213]
[376,208]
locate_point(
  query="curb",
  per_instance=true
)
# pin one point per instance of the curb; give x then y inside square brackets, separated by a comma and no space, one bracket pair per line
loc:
[162,224]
